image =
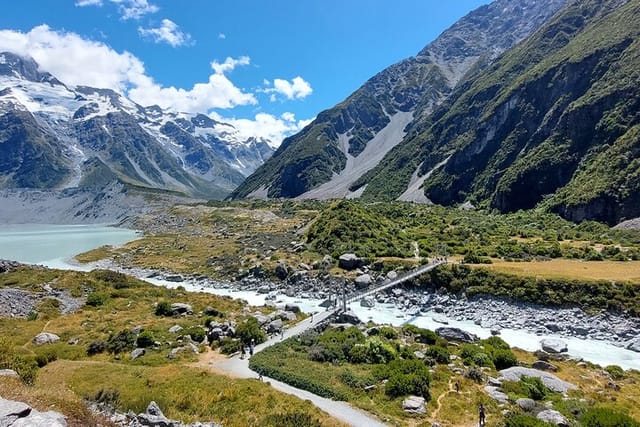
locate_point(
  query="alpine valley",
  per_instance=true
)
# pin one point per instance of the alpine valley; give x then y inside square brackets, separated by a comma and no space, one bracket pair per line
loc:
[520,104]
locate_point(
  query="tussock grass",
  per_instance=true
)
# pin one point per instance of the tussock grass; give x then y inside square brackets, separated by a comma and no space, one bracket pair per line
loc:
[627,271]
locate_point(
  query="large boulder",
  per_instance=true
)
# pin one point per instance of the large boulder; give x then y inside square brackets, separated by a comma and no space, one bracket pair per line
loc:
[350,261]
[526,404]
[414,405]
[137,353]
[261,318]
[45,338]
[154,417]
[634,344]
[551,381]
[544,366]
[456,334]
[496,394]
[275,326]
[553,345]
[18,414]
[349,317]
[553,417]
[181,308]
[363,281]
[281,271]
[8,373]
[368,302]
[292,308]
[175,329]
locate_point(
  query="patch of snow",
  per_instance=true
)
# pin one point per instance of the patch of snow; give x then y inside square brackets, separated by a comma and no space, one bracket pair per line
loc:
[374,152]
[414,191]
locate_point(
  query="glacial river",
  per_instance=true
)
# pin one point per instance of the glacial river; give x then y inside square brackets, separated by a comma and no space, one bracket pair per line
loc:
[55,245]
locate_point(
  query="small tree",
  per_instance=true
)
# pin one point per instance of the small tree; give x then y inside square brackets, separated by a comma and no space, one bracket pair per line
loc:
[250,330]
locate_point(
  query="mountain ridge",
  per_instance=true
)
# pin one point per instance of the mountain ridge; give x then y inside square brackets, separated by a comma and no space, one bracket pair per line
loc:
[59,134]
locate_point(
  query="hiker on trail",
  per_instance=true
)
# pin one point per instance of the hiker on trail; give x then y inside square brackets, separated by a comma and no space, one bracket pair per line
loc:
[311,317]
[242,352]
[251,347]
[281,334]
[457,386]
[481,414]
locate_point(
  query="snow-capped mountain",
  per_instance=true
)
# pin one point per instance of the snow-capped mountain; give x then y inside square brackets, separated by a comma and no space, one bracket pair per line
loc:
[54,136]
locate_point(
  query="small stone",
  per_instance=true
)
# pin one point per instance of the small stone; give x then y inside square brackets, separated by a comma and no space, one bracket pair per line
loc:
[45,338]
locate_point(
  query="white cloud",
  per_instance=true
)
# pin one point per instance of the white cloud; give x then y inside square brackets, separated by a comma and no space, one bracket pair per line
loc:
[168,32]
[298,88]
[222,36]
[229,64]
[77,61]
[266,126]
[129,9]
[83,3]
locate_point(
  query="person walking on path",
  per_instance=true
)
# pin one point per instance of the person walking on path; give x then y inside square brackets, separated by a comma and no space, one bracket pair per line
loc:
[481,415]
[242,352]
[281,334]
[457,386]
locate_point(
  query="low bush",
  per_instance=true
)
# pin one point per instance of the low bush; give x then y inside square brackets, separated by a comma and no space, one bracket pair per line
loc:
[96,299]
[164,309]
[121,342]
[250,330]
[503,359]
[290,419]
[229,345]
[96,347]
[522,420]
[196,333]
[145,339]
[616,372]
[604,417]
[439,354]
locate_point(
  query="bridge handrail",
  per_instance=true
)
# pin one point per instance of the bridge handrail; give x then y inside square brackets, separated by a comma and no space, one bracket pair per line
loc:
[413,273]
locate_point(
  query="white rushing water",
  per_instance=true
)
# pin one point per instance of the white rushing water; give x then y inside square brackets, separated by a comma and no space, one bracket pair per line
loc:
[55,245]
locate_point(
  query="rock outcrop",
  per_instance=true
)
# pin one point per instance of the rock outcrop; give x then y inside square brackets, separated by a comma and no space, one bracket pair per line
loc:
[18,414]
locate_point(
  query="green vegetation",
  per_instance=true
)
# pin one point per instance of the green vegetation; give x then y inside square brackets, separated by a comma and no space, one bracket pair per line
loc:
[473,281]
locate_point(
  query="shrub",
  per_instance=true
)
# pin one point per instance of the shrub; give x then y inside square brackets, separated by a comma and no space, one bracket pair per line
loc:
[359,353]
[33,315]
[196,333]
[113,278]
[96,347]
[439,354]
[503,359]
[475,374]
[290,419]
[616,372]
[164,309]
[522,420]
[497,343]
[96,299]
[534,387]
[604,417]
[230,346]
[145,339]
[388,332]
[45,355]
[250,330]
[123,341]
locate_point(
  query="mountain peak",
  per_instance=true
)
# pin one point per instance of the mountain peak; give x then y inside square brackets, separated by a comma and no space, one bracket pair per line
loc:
[25,68]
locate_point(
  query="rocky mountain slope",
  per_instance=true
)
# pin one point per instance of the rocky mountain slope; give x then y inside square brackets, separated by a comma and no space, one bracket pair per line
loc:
[55,137]
[347,141]
[551,123]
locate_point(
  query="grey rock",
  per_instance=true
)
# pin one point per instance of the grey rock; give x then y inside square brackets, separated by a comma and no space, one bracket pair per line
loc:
[553,327]
[292,308]
[363,281]
[215,334]
[173,278]
[525,404]
[137,353]
[261,318]
[45,338]
[456,334]
[368,302]
[551,381]
[349,317]
[553,417]
[281,271]
[350,261]
[275,326]
[9,373]
[552,345]
[10,411]
[634,344]
[544,366]
[175,329]
[288,315]
[419,355]
[181,308]
[41,419]
[494,381]
[496,394]
[414,405]
[392,275]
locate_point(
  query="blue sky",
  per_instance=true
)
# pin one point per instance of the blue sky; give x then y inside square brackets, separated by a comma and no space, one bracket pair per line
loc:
[267,66]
